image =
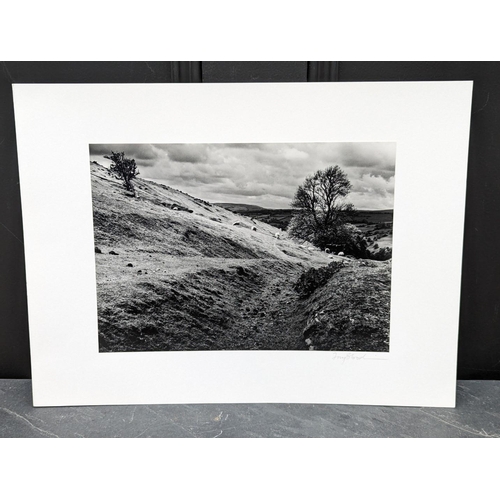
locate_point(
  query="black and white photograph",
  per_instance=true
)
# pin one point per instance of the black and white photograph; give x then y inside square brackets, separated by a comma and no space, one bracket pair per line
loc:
[243,246]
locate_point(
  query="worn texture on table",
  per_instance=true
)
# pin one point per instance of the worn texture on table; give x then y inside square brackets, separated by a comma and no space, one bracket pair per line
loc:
[477,415]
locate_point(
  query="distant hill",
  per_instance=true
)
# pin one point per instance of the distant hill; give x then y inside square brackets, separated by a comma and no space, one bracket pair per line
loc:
[366,220]
[372,216]
[239,207]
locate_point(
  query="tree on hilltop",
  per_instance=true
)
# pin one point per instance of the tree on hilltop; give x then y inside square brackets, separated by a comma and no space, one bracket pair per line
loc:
[123,168]
[322,212]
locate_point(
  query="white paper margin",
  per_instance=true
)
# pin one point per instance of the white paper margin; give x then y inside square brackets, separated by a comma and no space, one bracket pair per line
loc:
[429,121]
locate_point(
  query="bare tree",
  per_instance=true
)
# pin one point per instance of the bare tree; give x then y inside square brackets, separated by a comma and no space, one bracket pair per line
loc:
[323,214]
[320,198]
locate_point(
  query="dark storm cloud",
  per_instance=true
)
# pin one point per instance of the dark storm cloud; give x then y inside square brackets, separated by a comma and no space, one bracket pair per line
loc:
[136,151]
[366,154]
[265,174]
[375,158]
[185,153]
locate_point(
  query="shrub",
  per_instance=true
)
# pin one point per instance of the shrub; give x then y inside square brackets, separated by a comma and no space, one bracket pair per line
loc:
[382,254]
[123,168]
[313,279]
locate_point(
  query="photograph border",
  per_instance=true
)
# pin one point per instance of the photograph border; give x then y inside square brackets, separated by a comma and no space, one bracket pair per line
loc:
[429,121]
[244,194]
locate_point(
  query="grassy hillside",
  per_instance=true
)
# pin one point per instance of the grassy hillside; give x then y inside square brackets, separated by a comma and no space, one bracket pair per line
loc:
[178,273]
[350,310]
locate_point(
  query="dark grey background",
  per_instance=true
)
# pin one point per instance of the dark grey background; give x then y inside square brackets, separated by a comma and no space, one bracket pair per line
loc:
[479,335]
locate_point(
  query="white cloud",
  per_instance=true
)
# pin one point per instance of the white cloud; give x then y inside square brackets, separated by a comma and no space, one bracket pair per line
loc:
[264,174]
[372,192]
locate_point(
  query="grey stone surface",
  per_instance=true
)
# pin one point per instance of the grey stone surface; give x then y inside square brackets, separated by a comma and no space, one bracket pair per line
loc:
[477,415]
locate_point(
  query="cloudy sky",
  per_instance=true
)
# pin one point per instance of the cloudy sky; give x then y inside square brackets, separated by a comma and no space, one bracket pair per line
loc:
[262,174]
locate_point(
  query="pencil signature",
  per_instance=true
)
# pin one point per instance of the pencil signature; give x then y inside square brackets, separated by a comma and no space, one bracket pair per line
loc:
[353,356]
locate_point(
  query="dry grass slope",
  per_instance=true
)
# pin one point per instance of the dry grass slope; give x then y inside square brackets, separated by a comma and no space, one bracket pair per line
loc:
[182,276]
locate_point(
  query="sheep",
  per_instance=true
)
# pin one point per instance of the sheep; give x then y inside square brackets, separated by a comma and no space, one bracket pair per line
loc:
[277,236]
[254,228]
[341,254]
